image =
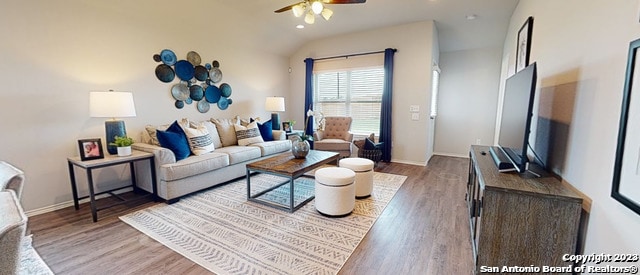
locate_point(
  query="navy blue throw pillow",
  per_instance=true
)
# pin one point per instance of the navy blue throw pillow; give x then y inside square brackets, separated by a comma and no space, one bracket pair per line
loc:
[175,140]
[369,145]
[266,130]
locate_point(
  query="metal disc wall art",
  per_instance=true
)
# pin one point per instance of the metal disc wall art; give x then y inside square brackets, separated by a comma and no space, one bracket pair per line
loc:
[168,57]
[165,73]
[225,89]
[180,91]
[197,81]
[193,58]
[201,73]
[196,92]
[212,94]
[184,70]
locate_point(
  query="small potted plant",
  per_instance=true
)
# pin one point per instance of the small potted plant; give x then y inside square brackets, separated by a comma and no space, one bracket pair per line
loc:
[124,145]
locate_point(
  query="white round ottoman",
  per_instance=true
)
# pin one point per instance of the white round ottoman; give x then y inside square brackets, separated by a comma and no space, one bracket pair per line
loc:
[335,192]
[364,175]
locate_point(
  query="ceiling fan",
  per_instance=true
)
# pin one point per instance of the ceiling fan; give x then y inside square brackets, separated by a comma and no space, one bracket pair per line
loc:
[313,7]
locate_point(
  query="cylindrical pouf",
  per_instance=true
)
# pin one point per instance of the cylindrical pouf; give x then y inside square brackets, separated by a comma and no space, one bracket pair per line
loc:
[364,175]
[335,192]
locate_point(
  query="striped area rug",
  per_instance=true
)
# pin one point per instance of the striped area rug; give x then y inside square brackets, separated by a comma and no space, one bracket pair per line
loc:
[223,232]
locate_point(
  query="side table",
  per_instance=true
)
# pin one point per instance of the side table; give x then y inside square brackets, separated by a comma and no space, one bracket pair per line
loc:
[294,133]
[109,160]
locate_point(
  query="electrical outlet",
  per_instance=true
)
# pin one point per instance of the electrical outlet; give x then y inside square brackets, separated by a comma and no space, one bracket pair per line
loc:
[415,116]
[478,141]
[414,108]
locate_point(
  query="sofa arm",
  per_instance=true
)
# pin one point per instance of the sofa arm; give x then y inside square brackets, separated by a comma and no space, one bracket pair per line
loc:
[348,136]
[162,155]
[279,135]
[11,178]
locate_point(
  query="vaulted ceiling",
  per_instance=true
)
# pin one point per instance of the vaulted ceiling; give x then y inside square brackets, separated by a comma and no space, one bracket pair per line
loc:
[456,32]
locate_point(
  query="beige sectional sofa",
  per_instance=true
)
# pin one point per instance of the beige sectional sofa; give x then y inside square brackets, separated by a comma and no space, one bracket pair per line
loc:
[177,178]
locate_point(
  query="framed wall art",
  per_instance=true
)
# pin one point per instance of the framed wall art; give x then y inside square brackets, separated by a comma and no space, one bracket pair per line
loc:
[90,149]
[626,171]
[523,48]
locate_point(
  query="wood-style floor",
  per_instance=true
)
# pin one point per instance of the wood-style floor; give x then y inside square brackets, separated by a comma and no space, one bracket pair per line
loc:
[423,230]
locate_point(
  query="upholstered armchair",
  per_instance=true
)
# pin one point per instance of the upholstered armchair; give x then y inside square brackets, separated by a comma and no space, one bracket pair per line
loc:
[335,136]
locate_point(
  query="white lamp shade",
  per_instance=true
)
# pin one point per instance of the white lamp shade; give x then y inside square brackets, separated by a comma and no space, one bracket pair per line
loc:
[274,104]
[111,104]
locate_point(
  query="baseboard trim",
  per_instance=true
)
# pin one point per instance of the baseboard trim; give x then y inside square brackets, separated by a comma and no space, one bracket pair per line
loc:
[409,162]
[451,155]
[66,204]
[48,209]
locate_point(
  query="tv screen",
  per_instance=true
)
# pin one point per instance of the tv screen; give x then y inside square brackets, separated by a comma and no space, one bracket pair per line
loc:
[517,110]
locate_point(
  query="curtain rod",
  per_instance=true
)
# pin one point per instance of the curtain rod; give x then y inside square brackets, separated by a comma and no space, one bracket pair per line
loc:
[349,55]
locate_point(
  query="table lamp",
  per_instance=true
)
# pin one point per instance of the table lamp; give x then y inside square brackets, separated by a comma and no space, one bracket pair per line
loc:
[112,104]
[275,104]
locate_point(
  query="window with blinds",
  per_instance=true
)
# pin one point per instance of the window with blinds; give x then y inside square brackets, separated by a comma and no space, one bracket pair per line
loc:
[354,92]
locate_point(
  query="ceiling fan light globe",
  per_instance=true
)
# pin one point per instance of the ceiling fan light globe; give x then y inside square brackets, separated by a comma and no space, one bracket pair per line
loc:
[298,10]
[317,7]
[309,18]
[326,14]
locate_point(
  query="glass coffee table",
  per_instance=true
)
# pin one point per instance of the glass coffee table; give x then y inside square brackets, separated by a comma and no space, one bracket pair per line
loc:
[285,165]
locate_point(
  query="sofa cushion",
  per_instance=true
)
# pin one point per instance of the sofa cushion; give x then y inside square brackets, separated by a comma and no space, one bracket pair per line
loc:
[226,130]
[200,141]
[213,131]
[332,145]
[239,154]
[248,134]
[273,147]
[193,165]
[175,140]
[266,130]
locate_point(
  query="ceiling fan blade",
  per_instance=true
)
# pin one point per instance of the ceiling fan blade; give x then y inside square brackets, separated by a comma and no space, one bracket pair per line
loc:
[287,7]
[344,1]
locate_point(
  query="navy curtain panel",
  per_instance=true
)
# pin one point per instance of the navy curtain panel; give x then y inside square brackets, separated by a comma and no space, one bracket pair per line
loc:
[385,113]
[308,94]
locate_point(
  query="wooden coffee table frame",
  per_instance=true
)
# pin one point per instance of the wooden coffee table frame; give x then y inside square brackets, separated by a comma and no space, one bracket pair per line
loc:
[287,166]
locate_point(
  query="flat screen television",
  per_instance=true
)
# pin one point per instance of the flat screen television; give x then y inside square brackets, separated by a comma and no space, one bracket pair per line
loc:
[517,111]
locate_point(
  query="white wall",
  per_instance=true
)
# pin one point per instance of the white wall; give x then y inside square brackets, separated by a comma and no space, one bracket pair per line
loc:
[581,51]
[467,100]
[412,79]
[54,52]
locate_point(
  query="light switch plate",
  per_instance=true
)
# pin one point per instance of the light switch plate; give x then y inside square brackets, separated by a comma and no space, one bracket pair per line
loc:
[414,108]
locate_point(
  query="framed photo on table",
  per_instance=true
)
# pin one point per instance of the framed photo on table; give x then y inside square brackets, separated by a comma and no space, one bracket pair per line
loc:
[90,149]
[286,127]
[523,48]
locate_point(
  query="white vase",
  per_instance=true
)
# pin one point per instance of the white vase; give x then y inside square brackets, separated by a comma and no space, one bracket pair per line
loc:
[124,151]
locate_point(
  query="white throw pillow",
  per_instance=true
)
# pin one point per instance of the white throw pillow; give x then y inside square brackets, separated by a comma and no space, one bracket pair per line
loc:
[248,134]
[226,130]
[151,130]
[199,139]
[213,131]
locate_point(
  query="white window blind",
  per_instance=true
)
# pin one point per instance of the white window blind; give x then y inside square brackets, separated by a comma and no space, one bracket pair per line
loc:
[354,92]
